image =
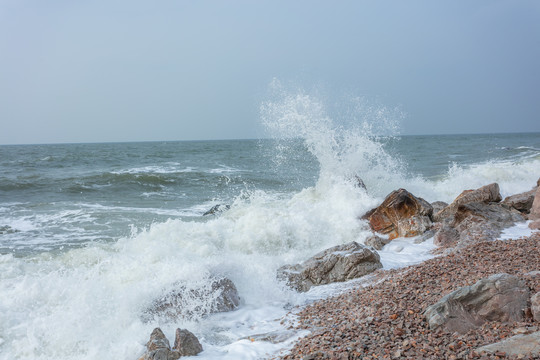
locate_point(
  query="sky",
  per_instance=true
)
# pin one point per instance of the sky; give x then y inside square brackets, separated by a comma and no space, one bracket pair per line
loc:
[133,70]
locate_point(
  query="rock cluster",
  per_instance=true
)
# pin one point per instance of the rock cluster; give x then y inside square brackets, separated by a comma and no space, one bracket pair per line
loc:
[387,320]
[158,347]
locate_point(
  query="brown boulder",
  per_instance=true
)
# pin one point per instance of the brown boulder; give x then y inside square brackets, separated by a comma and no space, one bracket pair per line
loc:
[158,348]
[535,208]
[535,306]
[376,242]
[186,343]
[501,297]
[401,214]
[336,264]
[446,236]
[485,194]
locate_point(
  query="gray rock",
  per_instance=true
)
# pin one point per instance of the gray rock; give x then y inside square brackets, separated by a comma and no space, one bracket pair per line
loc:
[220,295]
[446,236]
[527,345]
[438,206]
[339,263]
[535,208]
[274,337]
[186,343]
[376,242]
[217,209]
[521,202]
[501,297]
[535,306]
[158,348]
[485,194]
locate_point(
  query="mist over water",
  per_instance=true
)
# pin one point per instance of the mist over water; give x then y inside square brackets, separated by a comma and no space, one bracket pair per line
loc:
[93,233]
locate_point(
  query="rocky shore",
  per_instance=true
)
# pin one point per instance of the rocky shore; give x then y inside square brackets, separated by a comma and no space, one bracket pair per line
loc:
[386,320]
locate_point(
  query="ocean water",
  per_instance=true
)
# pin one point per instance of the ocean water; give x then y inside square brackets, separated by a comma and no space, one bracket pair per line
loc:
[91,234]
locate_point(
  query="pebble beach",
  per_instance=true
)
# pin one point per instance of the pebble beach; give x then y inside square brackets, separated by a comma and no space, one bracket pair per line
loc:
[386,320]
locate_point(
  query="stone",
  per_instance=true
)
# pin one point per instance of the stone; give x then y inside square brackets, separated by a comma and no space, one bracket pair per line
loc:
[158,347]
[336,264]
[535,306]
[376,242]
[535,225]
[447,236]
[535,207]
[521,202]
[501,297]
[217,209]
[186,343]
[438,206]
[485,194]
[219,295]
[401,214]
[523,344]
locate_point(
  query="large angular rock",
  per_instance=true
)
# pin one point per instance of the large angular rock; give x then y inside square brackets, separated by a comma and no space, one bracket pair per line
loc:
[485,194]
[535,306]
[158,348]
[219,295]
[401,214]
[338,263]
[523,344]
[186,343]
[501,297]
[535,211]
[521,202]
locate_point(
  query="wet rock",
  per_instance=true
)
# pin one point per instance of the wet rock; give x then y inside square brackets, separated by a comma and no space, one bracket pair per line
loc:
[485,194]
[535,306]
[501,297]
[438,206]
[217,209]
[526,345]
[186,344]
[218,295]
[400,215]
[274,337]
[521,202]
[376,242]
[534,214]
[158,348]
[447,236]
[336,264]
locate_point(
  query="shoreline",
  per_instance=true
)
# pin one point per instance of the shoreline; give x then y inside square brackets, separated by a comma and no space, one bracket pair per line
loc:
[386,319]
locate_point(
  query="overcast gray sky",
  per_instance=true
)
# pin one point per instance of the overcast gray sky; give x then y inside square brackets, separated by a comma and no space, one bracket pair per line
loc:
[132,70]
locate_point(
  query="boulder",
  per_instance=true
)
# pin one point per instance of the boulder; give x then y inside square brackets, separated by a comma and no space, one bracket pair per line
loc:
[186,344]
[501,297]
[447,236]
[400,215]
[438,206]
[376,242]
[485,194]
[523,344]
[217,209]
[535,306]
[158,348]
[534,214]
[521,202]
[218,295]
[338,263]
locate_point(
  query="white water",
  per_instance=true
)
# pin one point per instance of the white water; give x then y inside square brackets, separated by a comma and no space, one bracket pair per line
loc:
[89,303]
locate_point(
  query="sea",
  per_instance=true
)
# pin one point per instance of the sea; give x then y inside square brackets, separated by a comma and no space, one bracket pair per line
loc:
[92,234]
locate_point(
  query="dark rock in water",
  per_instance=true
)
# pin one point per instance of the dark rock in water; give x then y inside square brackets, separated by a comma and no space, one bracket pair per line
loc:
[501,297]
[376,242]
[338,263]
[220,295]
[158,348]
[521,202]
[400,215]
[186,343]
[358,182]
[216,209]
[485,194]
[7,230]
